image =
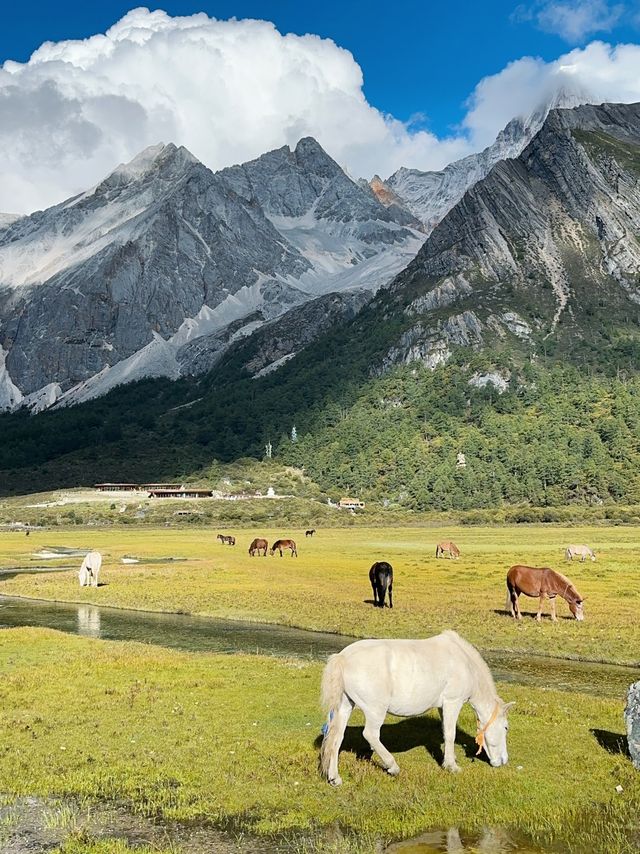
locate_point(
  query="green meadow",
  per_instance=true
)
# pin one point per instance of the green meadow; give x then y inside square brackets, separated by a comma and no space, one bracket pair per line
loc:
[231,741]
[326,588]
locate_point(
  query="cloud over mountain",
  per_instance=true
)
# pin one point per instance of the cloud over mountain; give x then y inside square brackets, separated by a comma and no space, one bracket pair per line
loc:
[229,90]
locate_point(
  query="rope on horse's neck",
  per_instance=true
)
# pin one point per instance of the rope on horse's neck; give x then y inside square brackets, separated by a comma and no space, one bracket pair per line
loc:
[482,730]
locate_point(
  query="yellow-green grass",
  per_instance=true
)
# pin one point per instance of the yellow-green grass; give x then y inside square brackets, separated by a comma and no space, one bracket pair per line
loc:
[326,588]
[231,740]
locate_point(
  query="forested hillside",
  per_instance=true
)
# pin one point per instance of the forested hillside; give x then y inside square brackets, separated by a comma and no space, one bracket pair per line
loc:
[556,435]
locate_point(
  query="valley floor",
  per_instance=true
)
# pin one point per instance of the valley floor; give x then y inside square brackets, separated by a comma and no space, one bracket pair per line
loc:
[231,741]
[327,589]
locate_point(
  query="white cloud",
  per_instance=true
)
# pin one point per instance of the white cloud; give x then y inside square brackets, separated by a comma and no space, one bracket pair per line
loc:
[572,20]
[228,90]
[231,90]
[594,74]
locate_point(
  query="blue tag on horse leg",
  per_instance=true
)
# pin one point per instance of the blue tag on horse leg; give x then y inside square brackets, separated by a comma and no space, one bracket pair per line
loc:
[325,726]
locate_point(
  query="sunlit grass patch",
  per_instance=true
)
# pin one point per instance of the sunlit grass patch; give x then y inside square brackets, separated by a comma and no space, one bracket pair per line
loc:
[232,741]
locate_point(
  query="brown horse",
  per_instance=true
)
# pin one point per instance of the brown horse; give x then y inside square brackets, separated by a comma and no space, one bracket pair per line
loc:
[447,546]
[541,582]
[279,545]
[258,545]
[225,539]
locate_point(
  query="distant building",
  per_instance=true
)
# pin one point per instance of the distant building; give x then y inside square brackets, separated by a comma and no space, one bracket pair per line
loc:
[351,504]
[148,487]
[135,487]
[117,487]
[181,492]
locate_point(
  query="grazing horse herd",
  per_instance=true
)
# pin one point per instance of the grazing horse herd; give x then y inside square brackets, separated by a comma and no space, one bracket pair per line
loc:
[408,677]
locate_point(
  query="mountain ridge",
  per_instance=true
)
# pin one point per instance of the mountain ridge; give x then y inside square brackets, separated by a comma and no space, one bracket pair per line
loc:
[88,294]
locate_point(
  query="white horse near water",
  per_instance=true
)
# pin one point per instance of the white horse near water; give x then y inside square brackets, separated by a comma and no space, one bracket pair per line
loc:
[405,678]
[90,569]
[582,551]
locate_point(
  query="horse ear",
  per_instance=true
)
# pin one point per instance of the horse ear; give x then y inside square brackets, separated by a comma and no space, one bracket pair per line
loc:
[506,707]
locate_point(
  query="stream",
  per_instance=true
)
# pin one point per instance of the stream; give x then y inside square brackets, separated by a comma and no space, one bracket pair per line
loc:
[209,634]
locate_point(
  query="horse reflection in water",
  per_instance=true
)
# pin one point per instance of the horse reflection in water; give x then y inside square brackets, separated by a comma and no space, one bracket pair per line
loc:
[88,621]
[489,841]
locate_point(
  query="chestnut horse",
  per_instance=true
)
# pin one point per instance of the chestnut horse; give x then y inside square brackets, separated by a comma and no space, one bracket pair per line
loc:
[541,582]
[381,578]
[279,545]
[449,547]
[258,545]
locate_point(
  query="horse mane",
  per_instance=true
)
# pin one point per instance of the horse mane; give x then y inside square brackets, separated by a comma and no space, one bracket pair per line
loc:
[564,580]
[482,668]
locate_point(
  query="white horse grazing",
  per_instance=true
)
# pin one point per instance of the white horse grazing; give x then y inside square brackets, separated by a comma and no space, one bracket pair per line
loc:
[583,552]
[407,677]
[89,570]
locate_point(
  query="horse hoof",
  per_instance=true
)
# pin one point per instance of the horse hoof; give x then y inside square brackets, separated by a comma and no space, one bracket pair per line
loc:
[453,767]
[394,770]
[337,781]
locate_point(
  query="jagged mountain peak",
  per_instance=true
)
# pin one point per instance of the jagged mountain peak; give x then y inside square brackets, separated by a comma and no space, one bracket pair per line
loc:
[430,195]
[161,161]
[118,282]
[544,248]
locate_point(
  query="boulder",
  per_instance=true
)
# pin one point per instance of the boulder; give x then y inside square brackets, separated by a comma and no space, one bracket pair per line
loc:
[632,720]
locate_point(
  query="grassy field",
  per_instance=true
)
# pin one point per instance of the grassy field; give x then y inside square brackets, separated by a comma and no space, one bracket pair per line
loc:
[232,740]
[326,588]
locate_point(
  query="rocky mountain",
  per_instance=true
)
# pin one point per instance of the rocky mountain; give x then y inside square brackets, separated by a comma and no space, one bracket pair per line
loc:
[332,221]
[7,219]
[429,196]
[118,283]
[543,252]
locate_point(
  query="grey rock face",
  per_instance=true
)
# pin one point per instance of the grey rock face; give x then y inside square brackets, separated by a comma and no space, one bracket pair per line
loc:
[84,284]
[544,241]
[287,335]
[632,720]
[431,195]
[287,183]
[119,282]
[448,292]
[431,344]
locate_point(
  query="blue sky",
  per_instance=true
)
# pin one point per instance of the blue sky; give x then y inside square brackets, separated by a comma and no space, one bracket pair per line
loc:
[110,79]
[417,57]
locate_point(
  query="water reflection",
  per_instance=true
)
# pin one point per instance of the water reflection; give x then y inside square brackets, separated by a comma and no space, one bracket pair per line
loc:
[89,621]
[491,840]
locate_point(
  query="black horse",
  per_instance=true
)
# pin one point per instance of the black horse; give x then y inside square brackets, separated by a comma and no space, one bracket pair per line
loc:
[310,532]
[381,578]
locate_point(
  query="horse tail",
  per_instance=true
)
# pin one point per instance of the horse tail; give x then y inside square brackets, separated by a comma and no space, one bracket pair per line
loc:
[331,691]
[437,550]
[568,554]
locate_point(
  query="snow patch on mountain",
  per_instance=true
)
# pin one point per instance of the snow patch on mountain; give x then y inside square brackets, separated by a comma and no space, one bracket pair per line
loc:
[157,359]
[7,219]
[42,399]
